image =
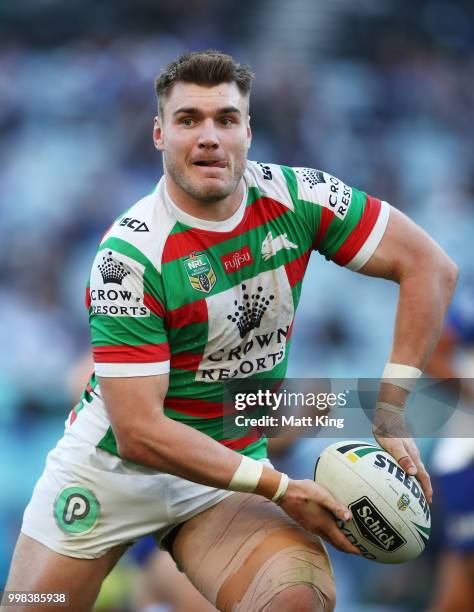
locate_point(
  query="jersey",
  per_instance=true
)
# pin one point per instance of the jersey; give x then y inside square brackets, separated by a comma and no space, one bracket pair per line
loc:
[212,301]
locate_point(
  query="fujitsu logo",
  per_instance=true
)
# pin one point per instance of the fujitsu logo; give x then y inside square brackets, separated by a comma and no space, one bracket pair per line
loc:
[236,260]
[112,271]
[249,313]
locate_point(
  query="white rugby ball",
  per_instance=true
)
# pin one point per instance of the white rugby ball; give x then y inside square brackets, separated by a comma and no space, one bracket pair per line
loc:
[391,518]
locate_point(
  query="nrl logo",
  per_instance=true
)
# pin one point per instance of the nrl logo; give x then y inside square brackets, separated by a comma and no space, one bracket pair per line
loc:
[403,502]
[200,272]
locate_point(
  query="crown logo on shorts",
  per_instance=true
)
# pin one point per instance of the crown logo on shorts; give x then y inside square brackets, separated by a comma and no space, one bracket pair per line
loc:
[112,271]
[249,313]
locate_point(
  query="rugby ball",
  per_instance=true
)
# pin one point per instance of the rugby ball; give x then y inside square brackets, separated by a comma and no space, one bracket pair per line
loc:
[391,518]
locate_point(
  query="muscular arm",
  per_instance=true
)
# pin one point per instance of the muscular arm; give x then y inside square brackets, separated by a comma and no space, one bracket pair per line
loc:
[441,363]
[427,277]
[145,435]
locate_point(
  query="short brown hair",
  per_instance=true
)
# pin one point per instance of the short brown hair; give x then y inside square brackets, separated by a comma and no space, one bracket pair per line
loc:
[206,68]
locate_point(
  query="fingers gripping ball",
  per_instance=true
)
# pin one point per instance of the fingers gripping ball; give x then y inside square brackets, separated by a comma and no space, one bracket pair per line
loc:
[391,517]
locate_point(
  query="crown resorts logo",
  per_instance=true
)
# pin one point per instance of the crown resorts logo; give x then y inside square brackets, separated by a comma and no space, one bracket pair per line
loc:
[310,176]
[200,272]
[249,314]
[112,271]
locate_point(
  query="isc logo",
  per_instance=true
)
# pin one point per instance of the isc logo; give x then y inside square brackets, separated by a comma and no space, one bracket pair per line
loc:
[266,171]
[135,224]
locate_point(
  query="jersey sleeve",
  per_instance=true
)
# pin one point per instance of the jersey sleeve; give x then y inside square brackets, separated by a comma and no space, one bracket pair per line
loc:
[125,298]
[346,224]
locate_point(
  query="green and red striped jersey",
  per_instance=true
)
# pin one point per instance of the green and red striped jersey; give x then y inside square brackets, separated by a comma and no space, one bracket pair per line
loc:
[211,301]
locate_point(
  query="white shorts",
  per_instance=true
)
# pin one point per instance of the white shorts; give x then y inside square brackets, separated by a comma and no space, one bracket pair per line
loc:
[88,501]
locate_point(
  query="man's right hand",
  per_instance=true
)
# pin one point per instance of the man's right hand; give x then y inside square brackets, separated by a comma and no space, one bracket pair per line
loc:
[314,508]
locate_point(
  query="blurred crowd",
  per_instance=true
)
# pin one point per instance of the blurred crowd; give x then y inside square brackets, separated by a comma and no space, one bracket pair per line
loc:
[385,102]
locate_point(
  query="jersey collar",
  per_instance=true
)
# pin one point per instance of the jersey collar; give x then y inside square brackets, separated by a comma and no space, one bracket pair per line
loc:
[215,226]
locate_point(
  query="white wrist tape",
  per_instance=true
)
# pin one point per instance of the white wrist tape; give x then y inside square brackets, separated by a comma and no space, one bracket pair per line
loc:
[246,476]
[389,408]
[282,487]
[400,375]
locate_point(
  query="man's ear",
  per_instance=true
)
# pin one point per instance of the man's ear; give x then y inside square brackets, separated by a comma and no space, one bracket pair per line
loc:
[158,133]
[249,133]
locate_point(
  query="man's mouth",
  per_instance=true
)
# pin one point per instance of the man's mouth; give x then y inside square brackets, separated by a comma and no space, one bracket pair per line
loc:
[211,163]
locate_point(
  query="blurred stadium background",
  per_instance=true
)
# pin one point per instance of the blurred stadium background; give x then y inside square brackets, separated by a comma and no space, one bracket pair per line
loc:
[378,92]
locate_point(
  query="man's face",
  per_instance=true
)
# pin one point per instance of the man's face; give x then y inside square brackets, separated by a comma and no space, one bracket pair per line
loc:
[204,135]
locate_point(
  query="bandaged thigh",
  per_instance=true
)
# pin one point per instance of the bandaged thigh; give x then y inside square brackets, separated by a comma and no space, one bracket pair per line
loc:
[281,561]
[293,566]
[247,550]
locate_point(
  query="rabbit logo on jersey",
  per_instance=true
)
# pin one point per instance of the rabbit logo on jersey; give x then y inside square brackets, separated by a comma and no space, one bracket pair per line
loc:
[248,328]
[116,287]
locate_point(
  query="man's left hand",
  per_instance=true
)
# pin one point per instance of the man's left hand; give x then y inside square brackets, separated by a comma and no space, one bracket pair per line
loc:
[391,432]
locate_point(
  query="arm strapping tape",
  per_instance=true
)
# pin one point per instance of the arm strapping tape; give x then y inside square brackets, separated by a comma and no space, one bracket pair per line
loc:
[246,476]
[401,375]
[389,408]
[282,487]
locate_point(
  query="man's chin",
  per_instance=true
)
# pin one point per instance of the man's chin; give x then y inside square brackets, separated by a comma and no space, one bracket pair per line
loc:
[213,193]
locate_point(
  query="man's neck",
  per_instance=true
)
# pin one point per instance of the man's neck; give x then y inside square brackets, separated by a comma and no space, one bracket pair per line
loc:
[220,210]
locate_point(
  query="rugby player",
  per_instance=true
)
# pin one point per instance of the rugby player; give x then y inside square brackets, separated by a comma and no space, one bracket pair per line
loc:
[453,461]
[196,284]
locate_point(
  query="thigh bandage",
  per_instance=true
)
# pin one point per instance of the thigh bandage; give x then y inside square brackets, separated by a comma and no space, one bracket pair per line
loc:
[249,551]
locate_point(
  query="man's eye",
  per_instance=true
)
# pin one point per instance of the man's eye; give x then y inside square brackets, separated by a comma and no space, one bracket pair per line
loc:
[227,121]
[188,122]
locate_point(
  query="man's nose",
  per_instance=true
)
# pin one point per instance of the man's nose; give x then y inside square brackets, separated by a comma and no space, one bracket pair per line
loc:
[208,135]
